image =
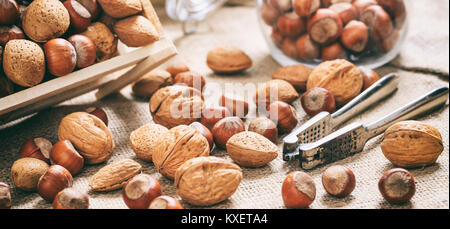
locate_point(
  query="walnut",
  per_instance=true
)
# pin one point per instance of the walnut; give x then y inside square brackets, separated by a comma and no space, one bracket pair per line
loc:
[176,105]
[412,144]
[340,77]
[89,135]
[178,145]
[205,181]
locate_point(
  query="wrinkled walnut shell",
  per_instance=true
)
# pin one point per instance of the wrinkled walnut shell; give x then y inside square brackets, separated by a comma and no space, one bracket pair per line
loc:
[89,135]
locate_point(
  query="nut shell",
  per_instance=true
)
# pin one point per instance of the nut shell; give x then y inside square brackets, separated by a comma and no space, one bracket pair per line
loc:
[45,19]
[25,173]
[340,77]
[177,146]
[275,90]
[205,181]
[24,62]
[297,75]
[298,190]
[251,149]
[121,8]
[89,135]
[8,33]
[225,128]
[176,105]
[104,40]
[412,144]
[148,84]
[145,139]
[136,31]
[115,175]
[228,60]
[265,127]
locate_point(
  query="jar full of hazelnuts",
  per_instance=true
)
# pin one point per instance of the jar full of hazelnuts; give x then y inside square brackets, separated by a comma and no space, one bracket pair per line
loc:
[368,33]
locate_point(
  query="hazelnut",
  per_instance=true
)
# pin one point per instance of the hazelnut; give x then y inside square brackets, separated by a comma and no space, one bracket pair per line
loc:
[305,8]
[291,25]
[316,100]
[176,105]
[5,196]
[136,31]
[91,6]
[378,21]
[38,148]
[9,12]
[388,43]
[269,14]
[397,10]
[61,57]
[108,21]
[24,62]
[275,90]
[8,33]
[6,87]
[53,181]
[325,26]
[370,77]
[289,48]
[205,132]
[212,115]
[89,135]
[281,5]
[355,36]
[333,52]
[25,173]
[340,77]
[284,115]
[149,83]
[85,50]
[265,127]
[104,40]
[140,191]
[191,79]
[165,202]
[361,5]
[71,198]
[298,190]
[99,113]
[328,3]
[80,17]
[397,185]
[225,129]
[237,107]
[121,8]
[64,154]
[177,67]
[45,19]
[297,75]
[277,37]
[338,181]
[412,144]
[307,49]
[347,12]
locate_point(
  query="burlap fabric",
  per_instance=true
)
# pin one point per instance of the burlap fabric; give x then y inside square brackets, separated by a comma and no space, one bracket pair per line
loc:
[424,54]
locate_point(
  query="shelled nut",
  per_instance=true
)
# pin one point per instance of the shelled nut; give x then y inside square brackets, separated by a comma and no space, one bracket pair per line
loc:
[397,185]
[53,181]
[64,154]
[25,173]
[61,57]
[298,190]
[71,198]
[165,202]
[38,148]
[225,129]
[284,115]
[316,100]
[140,191]
[338,180]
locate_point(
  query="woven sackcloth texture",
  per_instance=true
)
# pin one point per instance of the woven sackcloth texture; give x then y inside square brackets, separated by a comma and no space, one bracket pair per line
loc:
[422,66]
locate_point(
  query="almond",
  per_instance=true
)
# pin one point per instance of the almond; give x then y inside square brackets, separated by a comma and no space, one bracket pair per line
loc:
[251,149]
[275,90]
[121,8]
[145,139]
[136,31]
[228,60]
[297,75]
[148,84]
[205,181]
[114,175]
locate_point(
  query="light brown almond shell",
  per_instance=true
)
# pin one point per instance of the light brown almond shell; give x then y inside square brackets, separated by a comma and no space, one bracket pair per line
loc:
[228,59]
[145,139]
[121,8]
[136,31]
[251,149]
[204,181]
[411,144]
[297,75]
[284,92]
[114,175]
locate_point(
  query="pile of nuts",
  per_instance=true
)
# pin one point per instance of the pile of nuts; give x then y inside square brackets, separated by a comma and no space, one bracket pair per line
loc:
[57,37]
[320,30]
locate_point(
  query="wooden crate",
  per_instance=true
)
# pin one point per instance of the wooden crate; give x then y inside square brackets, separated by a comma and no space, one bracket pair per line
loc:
[106,77]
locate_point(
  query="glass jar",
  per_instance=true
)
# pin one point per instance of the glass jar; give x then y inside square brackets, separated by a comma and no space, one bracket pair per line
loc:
[368,33]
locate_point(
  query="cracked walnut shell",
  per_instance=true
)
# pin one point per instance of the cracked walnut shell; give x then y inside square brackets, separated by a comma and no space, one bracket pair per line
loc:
[340,77]
[176,105]
[177,146]
[412,144]
[89,135]
[204,181]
